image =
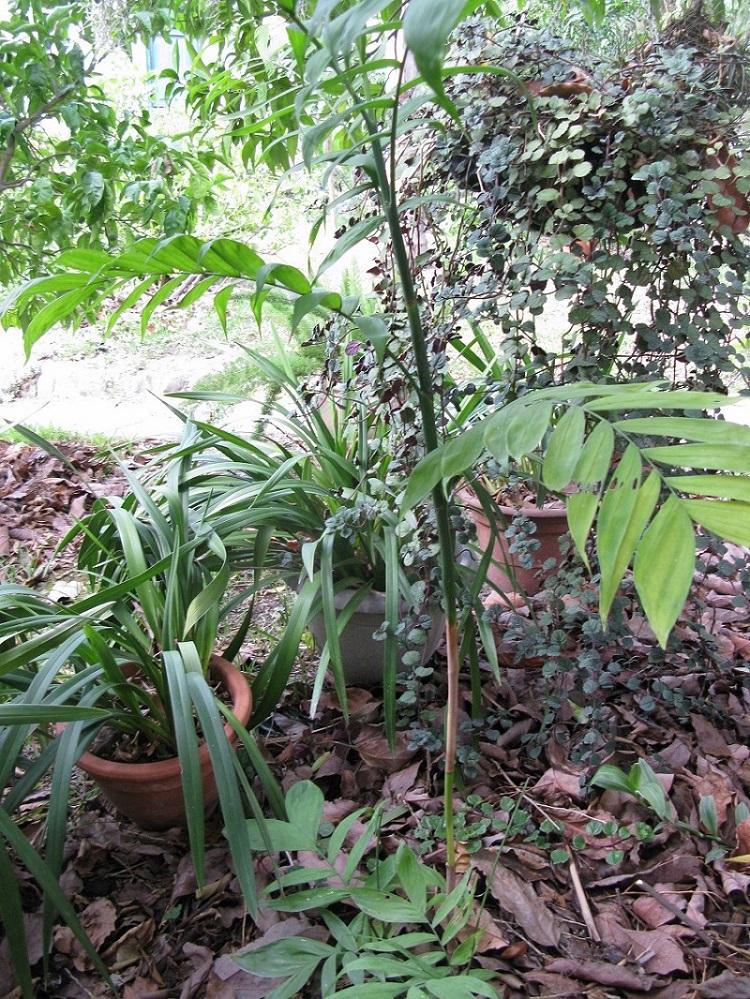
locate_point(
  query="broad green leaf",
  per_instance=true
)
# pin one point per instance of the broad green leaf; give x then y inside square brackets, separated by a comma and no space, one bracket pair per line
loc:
[339,33]
[625,510]
[316,299]
[221,301]
[410,873]
[56,311]
[383,966]
[592,467]
[359,849]
[278,958]
[86,260]
[374,329]
[496,436]
[304,807]
[339,834]
[448,462]
[689,429]
[646,785]
[351,238]
[285,836]
[708,815]
[176,253]
[92,184]
[730,519]
[526,427]
[312,898]
[636,397]
[139,291]
[158,298]
[283,276]
[229,257]
[197,291]
[564,449]
[427,24]
[454,902]
[663,568]
[726,458]
[589,475]
[611,778]
[387,907]
[722,486]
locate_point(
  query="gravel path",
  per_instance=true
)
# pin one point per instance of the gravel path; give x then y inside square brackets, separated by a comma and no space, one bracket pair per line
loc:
[107,391]
[120,393]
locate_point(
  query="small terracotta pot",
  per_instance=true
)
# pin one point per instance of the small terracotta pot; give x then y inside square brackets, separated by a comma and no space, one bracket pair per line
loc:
[150,794]
[505,572]
[737,215]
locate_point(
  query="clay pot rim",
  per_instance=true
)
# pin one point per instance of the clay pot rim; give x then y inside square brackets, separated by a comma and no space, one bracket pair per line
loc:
[534,512]
[242,703]
[469,498]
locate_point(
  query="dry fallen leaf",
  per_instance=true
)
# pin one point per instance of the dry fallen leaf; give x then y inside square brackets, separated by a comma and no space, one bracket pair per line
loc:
[519,898]
[372,746]
[727,985]
[658,951]
[613,975]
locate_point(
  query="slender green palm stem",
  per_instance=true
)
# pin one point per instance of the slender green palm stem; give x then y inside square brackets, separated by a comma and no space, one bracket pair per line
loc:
[446,538]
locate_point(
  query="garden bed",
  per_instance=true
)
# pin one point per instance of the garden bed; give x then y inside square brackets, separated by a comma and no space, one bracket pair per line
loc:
[586,890]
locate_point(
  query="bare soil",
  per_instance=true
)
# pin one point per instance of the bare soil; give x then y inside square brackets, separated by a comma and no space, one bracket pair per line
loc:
[84,384]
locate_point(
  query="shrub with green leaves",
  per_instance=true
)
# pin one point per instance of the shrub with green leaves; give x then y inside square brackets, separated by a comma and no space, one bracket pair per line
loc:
[74,171]
[619,192]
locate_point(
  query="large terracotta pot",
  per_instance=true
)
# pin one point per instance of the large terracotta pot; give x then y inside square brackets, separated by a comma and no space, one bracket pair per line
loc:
[361,655]
[505,572]
[150,794]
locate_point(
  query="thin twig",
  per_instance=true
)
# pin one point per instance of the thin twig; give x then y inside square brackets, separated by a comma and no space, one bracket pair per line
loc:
[707,938]
[676,911]
[583,902]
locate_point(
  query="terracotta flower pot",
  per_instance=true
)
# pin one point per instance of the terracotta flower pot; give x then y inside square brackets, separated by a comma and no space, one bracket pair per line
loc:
[736,215]
[361,655]
[150,794]
[505,572]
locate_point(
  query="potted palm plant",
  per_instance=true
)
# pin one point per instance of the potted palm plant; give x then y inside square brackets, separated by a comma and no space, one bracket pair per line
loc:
[320,477]
[125,681]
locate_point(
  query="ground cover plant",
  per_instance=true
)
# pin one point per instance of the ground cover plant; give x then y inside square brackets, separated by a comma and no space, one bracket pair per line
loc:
[137,892]
[646,513]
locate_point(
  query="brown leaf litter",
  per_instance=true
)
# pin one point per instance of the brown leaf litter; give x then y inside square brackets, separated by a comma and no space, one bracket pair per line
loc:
[579,892]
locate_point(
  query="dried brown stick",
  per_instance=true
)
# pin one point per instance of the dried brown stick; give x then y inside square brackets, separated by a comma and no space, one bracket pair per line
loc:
[583,902]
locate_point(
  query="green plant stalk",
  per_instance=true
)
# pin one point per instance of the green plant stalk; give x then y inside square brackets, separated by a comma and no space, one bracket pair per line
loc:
[446,537]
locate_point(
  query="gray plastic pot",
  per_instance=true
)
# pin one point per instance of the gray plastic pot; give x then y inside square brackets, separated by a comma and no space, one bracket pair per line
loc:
[361,655]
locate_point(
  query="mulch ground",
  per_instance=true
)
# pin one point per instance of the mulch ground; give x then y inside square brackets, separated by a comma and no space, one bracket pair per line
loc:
[587,891]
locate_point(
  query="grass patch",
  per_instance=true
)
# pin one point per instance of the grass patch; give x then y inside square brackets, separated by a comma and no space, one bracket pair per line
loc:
[242,377]
[17,434]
